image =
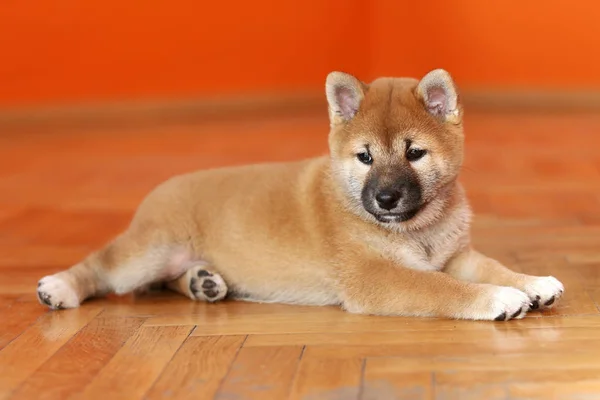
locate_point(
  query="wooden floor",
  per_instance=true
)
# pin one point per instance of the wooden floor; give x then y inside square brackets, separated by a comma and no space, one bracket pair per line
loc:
[534,182]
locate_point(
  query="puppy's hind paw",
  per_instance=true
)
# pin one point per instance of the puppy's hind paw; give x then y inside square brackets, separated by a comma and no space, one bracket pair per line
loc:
[56,293]
[206,285]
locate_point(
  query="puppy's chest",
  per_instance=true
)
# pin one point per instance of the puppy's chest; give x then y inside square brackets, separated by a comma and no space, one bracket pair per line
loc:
[429,250]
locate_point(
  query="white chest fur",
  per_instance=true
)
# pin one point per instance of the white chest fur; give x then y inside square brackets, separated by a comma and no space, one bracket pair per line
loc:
[429,248]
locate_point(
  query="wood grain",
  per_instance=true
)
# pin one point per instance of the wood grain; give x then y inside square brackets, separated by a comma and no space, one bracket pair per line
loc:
[32,349]
[27,310]
[535,384]
[198,368]
[135,367]
[533,181]
[79,361]
[327,378]
[381,383]
[262,373]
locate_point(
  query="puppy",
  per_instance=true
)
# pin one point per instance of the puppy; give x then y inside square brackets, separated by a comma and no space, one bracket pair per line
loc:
[380,226]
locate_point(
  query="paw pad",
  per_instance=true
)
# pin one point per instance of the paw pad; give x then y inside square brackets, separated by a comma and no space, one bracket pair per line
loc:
[207,286]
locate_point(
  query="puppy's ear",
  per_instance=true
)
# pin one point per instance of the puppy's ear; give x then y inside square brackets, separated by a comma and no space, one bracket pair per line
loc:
[439,95]
[344,95]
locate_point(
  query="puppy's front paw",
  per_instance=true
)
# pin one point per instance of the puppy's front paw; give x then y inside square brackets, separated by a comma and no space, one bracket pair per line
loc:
[206,285]
[56,293]
[544,292]
[501,303]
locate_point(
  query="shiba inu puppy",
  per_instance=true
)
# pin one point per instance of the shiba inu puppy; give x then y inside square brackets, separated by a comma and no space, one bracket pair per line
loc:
[379,226]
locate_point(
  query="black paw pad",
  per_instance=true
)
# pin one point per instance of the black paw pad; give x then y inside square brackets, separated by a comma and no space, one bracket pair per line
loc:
[208,287]
[202,273]
[549,302]
[208,284]
[536,303]
[501,317]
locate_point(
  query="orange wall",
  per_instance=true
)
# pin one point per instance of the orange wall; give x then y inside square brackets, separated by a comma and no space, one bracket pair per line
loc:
[533,44]
[72,50]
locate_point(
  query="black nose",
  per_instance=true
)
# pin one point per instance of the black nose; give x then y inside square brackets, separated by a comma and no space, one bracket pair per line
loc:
[388,199]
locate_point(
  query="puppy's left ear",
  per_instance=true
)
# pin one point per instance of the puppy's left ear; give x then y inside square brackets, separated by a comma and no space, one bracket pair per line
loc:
[439,95]
[344,95]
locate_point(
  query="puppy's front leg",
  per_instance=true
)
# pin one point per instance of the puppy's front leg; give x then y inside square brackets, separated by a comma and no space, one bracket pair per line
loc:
[382,288]
[472,266]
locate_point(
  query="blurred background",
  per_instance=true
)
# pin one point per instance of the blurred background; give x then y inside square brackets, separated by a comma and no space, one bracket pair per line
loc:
[67,53]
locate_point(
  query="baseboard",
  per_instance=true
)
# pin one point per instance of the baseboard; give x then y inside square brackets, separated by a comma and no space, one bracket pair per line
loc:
[194,110]
[163,111]
[531,100]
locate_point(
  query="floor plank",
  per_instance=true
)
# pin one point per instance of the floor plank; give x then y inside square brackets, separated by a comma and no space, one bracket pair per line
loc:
[483,362]
[78,361]
[500,385]
[262,373]
[198,368]
[23,313]
[135,367]
[327,378]
[532,335]
[32,349]
[382,384]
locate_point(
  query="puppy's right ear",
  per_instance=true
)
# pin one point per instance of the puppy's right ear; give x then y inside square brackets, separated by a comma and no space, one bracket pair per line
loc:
[344,95]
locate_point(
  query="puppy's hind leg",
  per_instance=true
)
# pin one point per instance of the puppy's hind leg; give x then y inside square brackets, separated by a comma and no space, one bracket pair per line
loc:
[200,282]
[129,262]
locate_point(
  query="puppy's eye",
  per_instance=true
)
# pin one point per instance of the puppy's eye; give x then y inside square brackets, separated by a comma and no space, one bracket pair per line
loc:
[415,154]
[365,158]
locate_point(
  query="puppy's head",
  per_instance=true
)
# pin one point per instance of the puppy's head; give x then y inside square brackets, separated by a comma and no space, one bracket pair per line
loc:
[396,144]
